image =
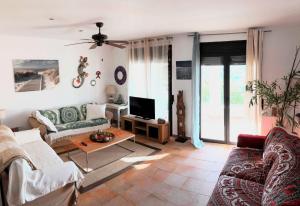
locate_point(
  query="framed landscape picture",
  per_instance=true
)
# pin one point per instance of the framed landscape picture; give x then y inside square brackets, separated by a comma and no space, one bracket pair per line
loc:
[183,70]
[35,75]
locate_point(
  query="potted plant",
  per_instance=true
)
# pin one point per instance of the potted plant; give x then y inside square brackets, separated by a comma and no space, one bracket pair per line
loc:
[282,98]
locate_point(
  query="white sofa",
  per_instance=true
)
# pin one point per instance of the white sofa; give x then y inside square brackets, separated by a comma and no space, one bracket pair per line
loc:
[49,182]
[77,124]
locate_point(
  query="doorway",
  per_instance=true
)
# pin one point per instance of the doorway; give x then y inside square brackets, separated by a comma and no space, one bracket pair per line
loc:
[223,76]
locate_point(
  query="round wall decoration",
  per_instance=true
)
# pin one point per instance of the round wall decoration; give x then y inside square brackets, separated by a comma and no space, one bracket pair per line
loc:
[93,82]
[120,75]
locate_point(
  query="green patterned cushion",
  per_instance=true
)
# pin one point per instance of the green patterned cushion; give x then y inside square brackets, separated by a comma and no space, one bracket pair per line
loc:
[83,111]
[69,114]
[81,124]
[52,114]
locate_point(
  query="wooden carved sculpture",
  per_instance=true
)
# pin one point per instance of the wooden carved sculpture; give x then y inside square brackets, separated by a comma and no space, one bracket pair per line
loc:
[79,80]
[180,118]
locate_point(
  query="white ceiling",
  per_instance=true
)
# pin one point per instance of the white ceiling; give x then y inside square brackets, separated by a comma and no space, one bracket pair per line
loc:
[130,19]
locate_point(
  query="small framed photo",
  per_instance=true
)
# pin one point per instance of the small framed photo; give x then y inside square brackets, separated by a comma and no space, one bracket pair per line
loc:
[184,70]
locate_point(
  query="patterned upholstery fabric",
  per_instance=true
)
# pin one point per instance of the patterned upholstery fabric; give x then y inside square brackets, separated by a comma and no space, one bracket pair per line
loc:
[236,191]
[252,178]
[282,161]
[81,124]
[69,114]
[52,114]
[246,164]
[82,111]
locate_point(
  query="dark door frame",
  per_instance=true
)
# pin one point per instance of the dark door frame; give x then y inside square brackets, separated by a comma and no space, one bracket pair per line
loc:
[224,50]
[171,96]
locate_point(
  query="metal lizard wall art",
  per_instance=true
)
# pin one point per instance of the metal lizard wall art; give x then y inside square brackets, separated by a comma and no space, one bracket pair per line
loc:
[79,80]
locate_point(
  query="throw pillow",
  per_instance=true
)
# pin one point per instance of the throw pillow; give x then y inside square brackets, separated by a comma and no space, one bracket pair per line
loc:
[282,165]
[27,136]
[95,111]
[52,114]
[69,114]
[82,111]
[45,121]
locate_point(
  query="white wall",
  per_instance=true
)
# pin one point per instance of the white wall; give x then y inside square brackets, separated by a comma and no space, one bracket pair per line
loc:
[20,104]
[120,58]
[182,48]
[279,51]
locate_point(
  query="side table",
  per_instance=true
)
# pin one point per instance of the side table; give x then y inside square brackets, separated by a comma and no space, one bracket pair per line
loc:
[119,108]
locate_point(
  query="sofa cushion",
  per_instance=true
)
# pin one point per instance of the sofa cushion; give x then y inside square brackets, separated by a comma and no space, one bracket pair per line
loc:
[236,191]
[95,111]
[45,121]
[245,163]
[282,161]
[52,114]
[276,138]
[69,114]
[82,111]
[81,124]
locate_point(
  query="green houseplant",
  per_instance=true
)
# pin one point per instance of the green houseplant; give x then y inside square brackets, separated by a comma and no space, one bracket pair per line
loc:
[281,97]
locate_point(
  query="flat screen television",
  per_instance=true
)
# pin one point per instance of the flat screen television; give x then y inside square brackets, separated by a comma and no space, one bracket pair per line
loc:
[142,107]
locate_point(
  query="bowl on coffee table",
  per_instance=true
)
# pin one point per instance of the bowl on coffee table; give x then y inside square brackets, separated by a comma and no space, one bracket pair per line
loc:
[102,137]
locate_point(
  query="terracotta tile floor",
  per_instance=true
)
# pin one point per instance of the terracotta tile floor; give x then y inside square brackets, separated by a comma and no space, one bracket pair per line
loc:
[178,175]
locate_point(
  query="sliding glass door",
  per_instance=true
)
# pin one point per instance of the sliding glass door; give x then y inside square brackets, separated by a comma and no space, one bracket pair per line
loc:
[223,77]
[239,121]
[212,102]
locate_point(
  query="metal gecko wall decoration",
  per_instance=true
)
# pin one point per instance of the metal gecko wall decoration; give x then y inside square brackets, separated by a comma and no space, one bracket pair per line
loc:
[79,80]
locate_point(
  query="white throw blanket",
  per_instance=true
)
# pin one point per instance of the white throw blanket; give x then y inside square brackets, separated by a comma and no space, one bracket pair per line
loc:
[26,184]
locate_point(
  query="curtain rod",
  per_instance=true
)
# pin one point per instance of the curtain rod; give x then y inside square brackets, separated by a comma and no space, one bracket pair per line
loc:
[152,39]
[212,34]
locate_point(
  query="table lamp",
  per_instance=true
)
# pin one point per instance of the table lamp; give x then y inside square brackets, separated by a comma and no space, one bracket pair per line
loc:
[111,91]
[2,115]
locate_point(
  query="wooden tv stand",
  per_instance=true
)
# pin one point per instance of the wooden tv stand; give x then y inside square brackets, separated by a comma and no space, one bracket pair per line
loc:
[149,128]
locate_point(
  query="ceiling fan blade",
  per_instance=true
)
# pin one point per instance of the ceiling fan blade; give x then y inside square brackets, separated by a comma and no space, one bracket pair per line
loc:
[94,46]
[118,41]
[79,43]
[88,24]
[115,45]
[87,39]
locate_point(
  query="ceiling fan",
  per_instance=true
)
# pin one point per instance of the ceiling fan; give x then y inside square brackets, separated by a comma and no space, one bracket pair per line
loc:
[100,39]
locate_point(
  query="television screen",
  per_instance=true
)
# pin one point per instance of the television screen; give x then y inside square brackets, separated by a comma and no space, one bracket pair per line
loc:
[142,107]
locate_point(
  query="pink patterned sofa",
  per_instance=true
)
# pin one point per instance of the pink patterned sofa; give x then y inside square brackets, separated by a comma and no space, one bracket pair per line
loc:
[261,171]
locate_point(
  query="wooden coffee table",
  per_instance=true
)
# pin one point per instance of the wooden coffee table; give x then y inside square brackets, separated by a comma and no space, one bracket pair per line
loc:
[83,142]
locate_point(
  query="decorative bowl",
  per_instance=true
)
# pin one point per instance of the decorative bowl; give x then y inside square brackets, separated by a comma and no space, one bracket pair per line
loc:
[102,137]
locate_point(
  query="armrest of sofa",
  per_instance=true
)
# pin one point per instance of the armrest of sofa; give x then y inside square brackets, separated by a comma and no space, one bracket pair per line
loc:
[251,141]
[40,181]
[36,124]
[28,136]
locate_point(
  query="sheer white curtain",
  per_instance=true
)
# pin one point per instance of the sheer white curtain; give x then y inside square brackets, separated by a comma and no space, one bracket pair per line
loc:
[148,72]
[254,72]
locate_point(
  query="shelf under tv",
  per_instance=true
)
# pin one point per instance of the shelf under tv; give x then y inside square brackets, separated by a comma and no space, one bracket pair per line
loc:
[148,128]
